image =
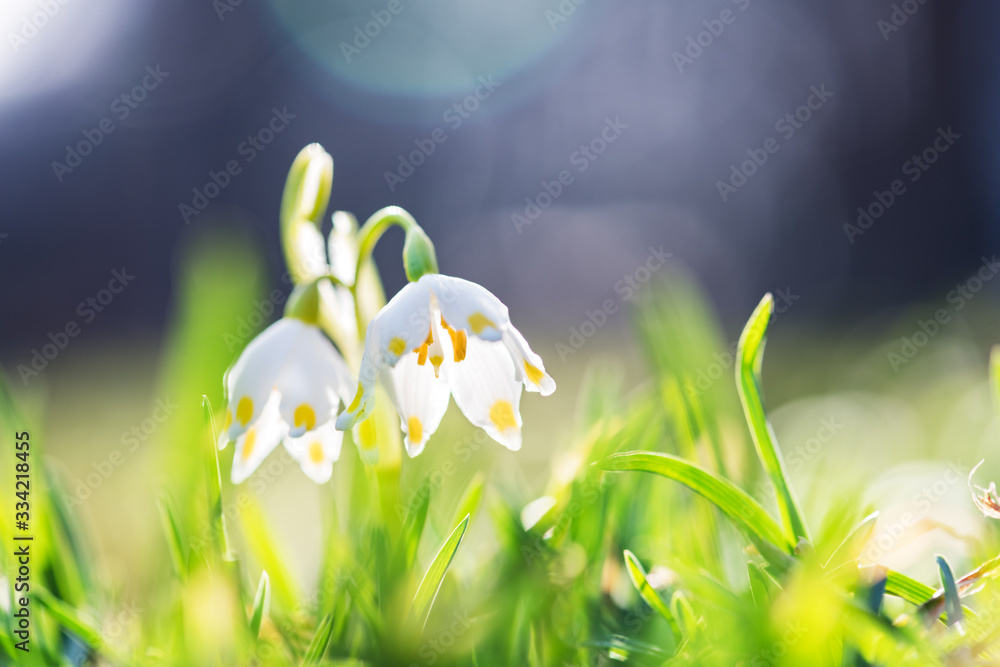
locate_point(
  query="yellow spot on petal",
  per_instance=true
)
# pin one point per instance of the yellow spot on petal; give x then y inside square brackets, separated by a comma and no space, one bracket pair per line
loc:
[244,410]
[367,433]
[229,421]
[480,323]
[415,430]
[397,346]
[535,375]
[305,416]
[502,415]
[437,360]
[316,452]
[357,400]
[460,341]
[249,443]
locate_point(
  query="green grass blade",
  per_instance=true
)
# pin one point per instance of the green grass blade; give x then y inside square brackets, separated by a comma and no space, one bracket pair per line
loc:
[320,642]
[851,546]
[686,618]
[263,545]
[261,603]
[750,354]
[72,621]
[413,525]
[904,587]
[743,510]
[431,583]
[914,592]
[638,576]
[175,539]
[759,586]
[471,497]
[220,536]
[952,602]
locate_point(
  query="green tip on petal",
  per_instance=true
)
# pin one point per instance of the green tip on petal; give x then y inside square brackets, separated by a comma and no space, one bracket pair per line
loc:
[303,304]
[419,257]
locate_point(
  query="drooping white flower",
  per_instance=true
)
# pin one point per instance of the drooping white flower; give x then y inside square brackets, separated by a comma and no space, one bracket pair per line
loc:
[287,385]
[442,336]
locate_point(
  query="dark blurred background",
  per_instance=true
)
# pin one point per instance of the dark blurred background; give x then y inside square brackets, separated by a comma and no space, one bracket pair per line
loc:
[690,87]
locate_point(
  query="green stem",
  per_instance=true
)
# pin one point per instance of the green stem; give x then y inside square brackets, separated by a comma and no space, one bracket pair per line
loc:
[418,251]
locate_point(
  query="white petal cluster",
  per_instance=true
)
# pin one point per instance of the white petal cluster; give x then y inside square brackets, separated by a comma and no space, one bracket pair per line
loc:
[440,337]
[286,386]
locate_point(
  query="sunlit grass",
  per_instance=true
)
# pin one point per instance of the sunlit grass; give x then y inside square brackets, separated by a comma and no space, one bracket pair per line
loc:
[652,517]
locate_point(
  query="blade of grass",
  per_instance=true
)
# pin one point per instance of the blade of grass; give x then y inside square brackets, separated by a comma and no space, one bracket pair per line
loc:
[172,531]
[758,586]
[750,354]
[261,603]
[320,641]
[638,576]
[914,592]
[952,602]
[743,510]
[471,497]
[220,536]
[686,618]
[431,583]
[263,544]
[73,622]
[413,525]
[849,548]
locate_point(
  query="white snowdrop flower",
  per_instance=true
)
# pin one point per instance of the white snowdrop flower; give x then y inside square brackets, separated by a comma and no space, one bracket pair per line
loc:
[287,385]
[442,336]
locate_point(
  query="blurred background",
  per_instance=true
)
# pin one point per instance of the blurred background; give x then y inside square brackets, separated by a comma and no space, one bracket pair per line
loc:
[841,156]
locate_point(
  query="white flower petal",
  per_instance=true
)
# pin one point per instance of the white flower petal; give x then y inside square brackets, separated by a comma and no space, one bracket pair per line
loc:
[401,326]
[316,451]
[343,247]
[311,382]
[309,251]
[250,380]
[338,312]
[528,366]
[421,400]
[468,306]
[486,391]
[253,446]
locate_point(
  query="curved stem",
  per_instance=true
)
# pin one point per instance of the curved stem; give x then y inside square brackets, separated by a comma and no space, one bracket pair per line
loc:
[374,227]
